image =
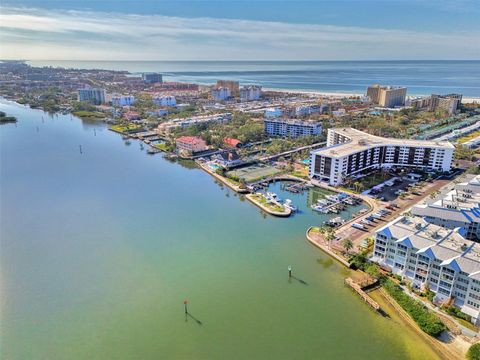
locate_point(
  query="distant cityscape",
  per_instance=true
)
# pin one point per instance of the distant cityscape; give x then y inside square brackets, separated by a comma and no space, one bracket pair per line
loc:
[410,166]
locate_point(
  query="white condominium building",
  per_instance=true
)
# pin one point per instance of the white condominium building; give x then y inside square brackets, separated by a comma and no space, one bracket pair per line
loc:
[459,207]
[291,128]
[431,256]
[122,100]
[221,94]
[350,152]
[168,100]
[250,93]
[94,96]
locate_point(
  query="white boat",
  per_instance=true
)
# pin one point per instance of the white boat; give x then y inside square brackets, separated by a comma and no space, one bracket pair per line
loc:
[273,196]
[288,204]
[333,198]
[358,226]
[319,209]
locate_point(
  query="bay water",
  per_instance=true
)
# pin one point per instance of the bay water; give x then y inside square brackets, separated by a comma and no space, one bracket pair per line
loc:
[101,244]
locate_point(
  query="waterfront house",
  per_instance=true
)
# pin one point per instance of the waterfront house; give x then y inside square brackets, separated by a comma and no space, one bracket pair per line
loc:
[190,144]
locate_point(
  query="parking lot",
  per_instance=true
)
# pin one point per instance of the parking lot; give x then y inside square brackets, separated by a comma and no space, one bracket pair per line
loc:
[391,193]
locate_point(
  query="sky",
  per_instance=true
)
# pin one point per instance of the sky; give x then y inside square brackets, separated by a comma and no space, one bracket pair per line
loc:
[240,30]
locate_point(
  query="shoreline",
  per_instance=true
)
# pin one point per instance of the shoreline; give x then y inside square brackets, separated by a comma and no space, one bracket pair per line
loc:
[342,94]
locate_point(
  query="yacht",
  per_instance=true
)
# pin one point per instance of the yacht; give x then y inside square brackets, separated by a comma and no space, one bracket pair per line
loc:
[288,204]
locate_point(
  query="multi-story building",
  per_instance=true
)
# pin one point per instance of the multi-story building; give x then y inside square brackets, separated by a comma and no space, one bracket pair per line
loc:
[233,86]
[350,152]
[430,256]
[250,93]
[221,93]
[122,100]
[448,103]
[152,78]
[94,96]
[273,112]
[165,101]
[304,110]
[291,128]
[182,123]
[458,207]
[190,144]
[387,96]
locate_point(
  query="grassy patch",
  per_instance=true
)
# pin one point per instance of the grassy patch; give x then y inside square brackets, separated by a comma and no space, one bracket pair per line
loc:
[125,128]
[262,200]
[469,137]
[89,114]
[426,319]
[162,147]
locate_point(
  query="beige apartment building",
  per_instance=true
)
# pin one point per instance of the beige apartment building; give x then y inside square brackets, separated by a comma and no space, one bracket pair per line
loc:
[387,96]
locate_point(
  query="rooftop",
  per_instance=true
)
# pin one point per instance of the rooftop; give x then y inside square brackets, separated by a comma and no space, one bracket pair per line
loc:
[360,141]
[435,242]
[189,139]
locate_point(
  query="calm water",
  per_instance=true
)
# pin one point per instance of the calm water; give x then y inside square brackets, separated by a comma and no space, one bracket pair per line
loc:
[421,77]
[99,250]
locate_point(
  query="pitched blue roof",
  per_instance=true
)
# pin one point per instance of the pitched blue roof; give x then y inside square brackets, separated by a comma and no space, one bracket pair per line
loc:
[465,213]
[386,231]
[428,253]
[405,241]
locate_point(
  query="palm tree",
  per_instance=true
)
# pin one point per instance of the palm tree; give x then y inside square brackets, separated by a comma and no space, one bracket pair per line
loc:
[328,234]
[347,245]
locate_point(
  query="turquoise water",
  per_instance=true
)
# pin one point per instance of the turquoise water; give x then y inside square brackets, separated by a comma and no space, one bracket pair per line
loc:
[422,77]
[99,249]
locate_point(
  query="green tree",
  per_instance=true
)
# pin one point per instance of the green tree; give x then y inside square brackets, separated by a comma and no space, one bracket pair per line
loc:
[347,245]
[373,270]
[474,352]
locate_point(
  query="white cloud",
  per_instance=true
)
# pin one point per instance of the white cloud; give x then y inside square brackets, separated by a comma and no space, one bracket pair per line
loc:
[81,35]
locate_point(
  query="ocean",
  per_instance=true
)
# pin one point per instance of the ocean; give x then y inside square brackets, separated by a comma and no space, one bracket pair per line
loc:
[420,77]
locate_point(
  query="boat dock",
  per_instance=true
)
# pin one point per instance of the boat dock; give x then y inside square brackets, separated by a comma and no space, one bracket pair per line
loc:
[359,290]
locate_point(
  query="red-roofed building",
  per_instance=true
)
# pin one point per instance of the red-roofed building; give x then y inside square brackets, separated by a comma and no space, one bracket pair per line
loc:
[131,115]
[232,143]
[190,144]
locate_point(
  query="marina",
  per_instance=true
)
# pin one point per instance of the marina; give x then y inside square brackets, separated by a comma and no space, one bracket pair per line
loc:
[121,232]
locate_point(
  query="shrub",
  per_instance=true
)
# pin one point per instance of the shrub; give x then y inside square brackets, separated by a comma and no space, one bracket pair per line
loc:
[474,352]
[454,311]
[373,270]
[426,320]
[358,261]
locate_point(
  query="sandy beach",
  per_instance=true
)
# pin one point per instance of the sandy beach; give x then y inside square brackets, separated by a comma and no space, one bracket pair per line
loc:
[340,95]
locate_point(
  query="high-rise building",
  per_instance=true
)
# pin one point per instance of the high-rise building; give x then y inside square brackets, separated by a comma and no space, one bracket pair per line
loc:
[387,96]
[151,78]
[221,94]
[250,93]
[448,103]
[350,152]
[233,86]
[94,96]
